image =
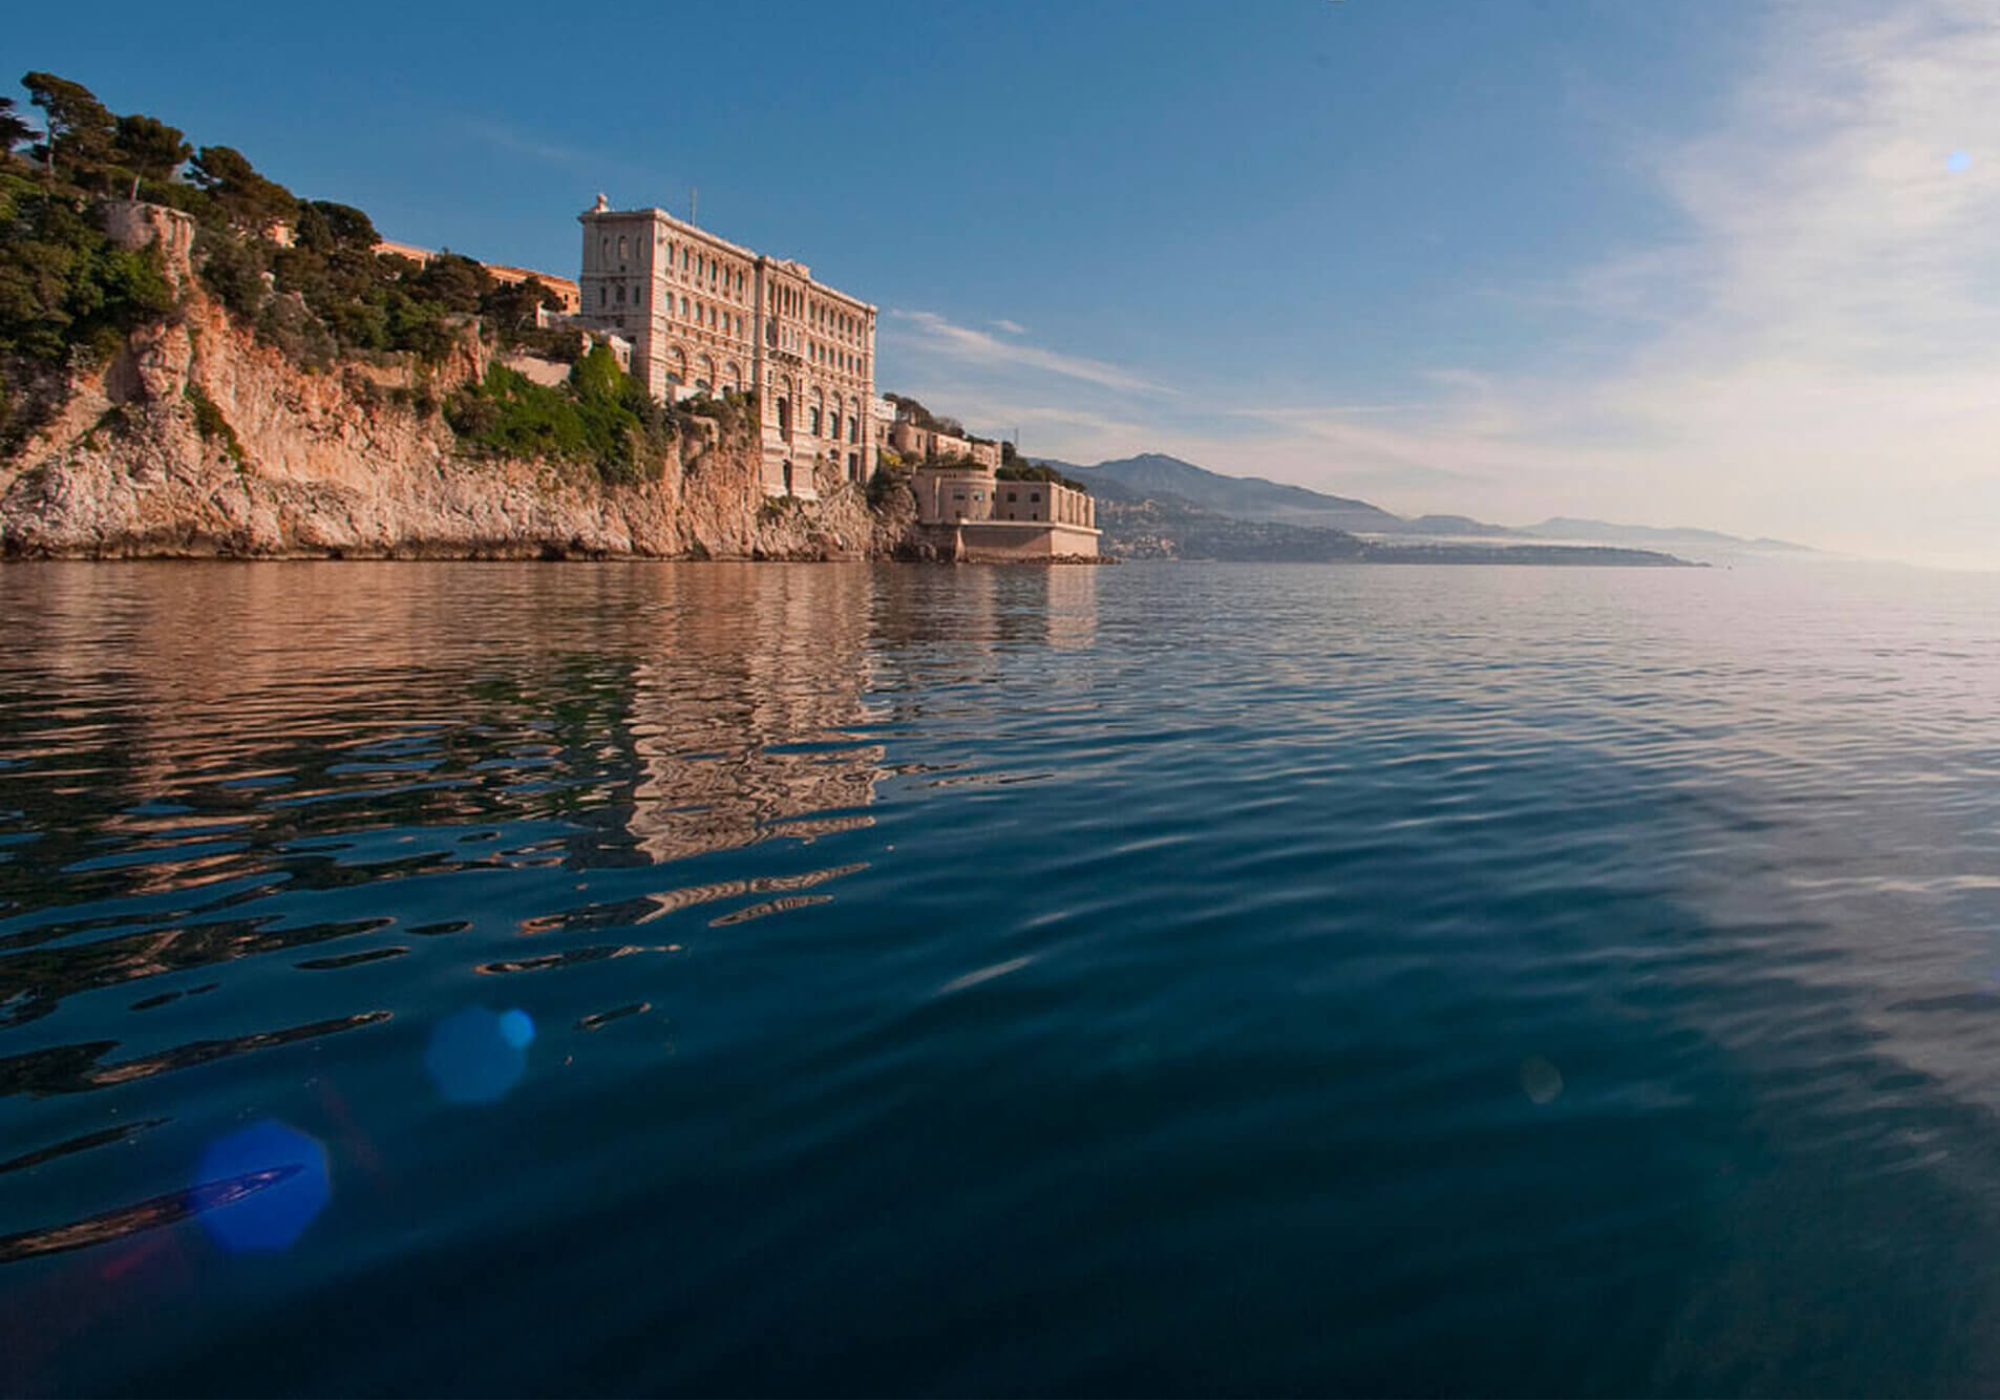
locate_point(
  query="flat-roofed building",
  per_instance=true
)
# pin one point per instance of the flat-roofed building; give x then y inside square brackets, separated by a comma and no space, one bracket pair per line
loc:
[990,518]
[707,316]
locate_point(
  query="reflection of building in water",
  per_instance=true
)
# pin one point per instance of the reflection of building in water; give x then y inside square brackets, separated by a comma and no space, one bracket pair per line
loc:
[737,718]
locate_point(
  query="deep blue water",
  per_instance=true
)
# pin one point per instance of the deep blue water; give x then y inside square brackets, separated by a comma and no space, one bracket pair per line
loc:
[703,979]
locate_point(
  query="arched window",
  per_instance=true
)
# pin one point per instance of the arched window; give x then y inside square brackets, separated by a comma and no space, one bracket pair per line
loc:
[812,420]
[833,426]
[604,252]
[603,295]
[677,365]
[621,247]
[621,293]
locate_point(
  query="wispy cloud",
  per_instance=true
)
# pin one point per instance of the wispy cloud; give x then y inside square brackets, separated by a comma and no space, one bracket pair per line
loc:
[523,144]
[1807,346]
[934,334]
[1001,323]
[1811,347]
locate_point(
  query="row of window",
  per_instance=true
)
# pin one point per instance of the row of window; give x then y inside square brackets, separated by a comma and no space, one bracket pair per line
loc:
[838,359]
[790,301]
[701,313]
[721,278]
[714,317]
[704,268]
[814,419]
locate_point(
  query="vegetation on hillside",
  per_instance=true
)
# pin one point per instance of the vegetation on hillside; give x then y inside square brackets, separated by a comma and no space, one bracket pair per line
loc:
[907,407]
[304,273]
[1023,471]
[602,418]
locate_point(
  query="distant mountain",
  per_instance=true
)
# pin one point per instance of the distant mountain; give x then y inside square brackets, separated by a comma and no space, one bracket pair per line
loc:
[1564,527]
[1456,525]
[1168,527]
[1156,477]
[1153,475]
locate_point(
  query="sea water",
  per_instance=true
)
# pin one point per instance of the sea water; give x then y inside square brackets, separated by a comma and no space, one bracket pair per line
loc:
[1152,979]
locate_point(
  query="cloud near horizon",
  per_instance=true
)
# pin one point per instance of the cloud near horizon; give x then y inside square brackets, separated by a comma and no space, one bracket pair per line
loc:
[1812,351]
[933,334]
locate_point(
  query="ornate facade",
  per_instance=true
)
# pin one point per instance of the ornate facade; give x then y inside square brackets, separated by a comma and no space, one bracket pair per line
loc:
[706,316]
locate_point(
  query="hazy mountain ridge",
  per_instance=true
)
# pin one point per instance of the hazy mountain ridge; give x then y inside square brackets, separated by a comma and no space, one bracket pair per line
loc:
[1166,526]
[1157,476]
[1563,527]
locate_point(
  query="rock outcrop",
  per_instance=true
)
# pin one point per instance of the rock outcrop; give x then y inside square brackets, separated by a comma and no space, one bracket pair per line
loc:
[196,440]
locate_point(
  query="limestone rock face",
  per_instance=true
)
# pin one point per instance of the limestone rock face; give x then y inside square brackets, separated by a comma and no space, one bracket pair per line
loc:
[357,462]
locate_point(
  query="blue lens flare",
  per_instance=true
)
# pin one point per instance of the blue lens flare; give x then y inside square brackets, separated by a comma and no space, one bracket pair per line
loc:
[517,1027]
[273,1218]
[1957,161]
[477,1055]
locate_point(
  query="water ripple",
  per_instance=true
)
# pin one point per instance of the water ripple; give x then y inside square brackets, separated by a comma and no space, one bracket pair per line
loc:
[1190,980]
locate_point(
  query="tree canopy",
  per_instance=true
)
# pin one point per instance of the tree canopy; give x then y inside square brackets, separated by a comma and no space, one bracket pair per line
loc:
[14,131]
[68,295]
[923,417]
[82,134]
[1025,471]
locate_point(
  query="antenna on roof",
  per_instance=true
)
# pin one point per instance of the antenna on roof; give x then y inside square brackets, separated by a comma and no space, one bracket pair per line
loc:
[693,193]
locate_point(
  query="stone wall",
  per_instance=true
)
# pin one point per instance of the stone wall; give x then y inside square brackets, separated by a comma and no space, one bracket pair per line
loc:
[1000,542]
[132,225]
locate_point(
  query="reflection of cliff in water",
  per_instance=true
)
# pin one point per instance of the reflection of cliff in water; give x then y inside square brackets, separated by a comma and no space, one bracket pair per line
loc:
[188,756]
[740,714]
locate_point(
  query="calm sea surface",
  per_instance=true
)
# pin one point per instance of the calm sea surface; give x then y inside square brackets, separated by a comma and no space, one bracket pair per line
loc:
[714,979]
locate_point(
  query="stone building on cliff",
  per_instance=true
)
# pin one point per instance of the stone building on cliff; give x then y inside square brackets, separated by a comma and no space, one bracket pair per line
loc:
[705,315]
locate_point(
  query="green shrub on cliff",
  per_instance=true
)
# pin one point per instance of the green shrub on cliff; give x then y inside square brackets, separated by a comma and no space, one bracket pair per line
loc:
[211,424]
[602,418]
[1021,471]
[68,295]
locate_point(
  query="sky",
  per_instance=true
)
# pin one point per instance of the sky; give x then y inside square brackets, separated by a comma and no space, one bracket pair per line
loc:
[1721,263]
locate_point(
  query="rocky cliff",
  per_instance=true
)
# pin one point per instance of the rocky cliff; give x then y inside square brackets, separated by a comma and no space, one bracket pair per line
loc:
[197,440]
